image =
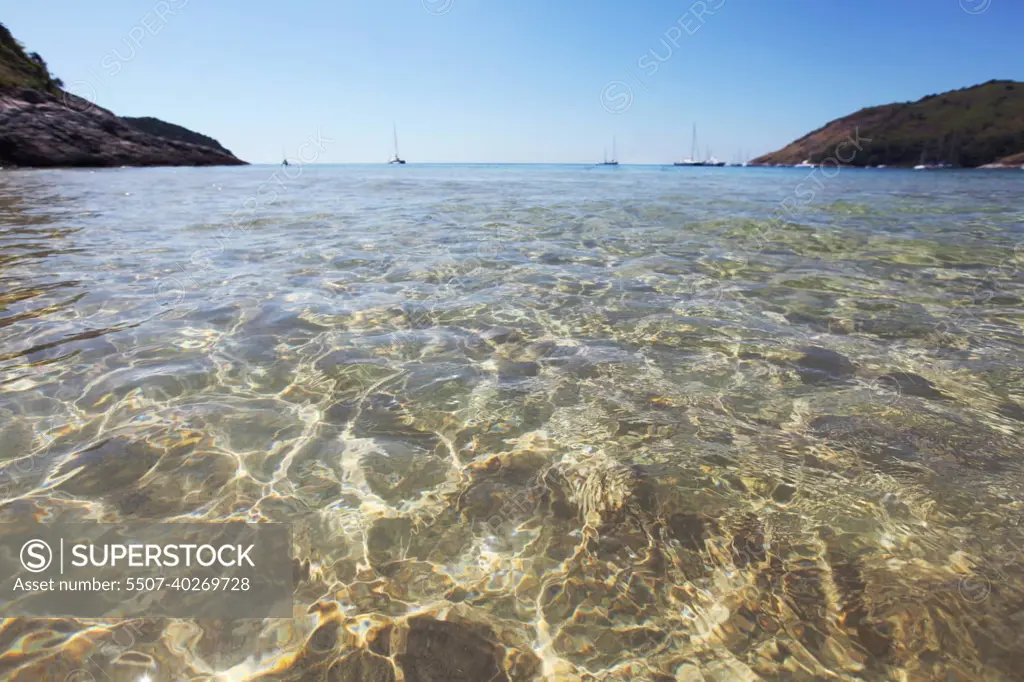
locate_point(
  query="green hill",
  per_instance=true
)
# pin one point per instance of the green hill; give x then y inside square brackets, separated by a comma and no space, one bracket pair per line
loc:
[19,69]
[969,127]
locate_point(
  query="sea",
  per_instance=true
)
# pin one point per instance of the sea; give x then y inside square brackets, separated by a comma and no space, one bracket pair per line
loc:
[531,422]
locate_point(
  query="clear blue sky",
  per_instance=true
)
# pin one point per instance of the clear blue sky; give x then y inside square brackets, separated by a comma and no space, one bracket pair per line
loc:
[514,80]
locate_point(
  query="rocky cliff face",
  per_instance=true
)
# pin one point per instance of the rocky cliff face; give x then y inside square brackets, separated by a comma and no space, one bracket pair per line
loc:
[39,129]
[41,125]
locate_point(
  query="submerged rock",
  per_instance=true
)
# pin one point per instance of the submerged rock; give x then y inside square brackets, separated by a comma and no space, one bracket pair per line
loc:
[854,605]
[361,666]
[936,444]
[438,650]
[821,364]
[908,383]
[108,468]
[517,370]
[501,335]
[462,647]
[601,487]
[1012,410]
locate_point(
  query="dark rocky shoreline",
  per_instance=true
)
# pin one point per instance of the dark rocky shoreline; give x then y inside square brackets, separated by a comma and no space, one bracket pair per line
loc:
[43,130]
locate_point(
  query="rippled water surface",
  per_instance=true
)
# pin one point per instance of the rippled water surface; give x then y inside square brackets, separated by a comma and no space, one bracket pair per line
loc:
[549,423]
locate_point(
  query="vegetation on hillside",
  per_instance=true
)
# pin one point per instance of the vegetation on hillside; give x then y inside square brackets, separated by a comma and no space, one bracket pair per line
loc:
[968,127]
[170,131]
[21,69]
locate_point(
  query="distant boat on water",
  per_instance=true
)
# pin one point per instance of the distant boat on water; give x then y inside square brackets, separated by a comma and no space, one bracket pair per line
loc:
[709,160]
[395,158]
[615,155]
[931,166]
[692,160]
[284,157]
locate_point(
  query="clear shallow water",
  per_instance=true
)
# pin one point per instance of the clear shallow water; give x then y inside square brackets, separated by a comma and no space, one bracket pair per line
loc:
[555,423]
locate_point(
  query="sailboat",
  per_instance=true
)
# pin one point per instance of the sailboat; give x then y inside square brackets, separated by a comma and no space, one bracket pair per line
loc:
[284,156]
[395,158]
[921,166]
[931,166]
[712,161]
[692,161]
[615,160]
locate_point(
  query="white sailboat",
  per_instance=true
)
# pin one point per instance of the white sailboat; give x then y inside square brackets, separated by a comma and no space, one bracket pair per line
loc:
[921,166]
[615,156]
[395,158]
[931,166]
[710,160]
[692,161]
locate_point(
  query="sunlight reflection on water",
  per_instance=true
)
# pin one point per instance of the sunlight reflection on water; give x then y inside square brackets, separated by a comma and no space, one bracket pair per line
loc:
[534,422]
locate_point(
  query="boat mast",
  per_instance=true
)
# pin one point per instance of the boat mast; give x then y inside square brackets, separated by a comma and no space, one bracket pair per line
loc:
[693,144]
[394,128]
[615,153]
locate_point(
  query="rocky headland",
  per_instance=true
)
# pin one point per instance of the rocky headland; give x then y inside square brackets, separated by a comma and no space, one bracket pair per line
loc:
[979,126]
[44,126]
